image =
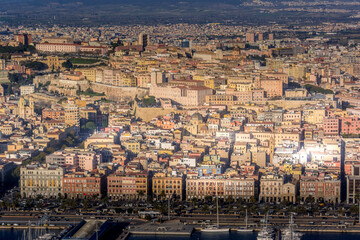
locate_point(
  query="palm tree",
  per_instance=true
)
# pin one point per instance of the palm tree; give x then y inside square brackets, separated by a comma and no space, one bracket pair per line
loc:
[141,194]
[208,199]
[309,199]
[230,199]
[194,201]
[162,195]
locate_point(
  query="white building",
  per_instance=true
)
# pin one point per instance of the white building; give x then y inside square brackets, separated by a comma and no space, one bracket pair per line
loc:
[27,89]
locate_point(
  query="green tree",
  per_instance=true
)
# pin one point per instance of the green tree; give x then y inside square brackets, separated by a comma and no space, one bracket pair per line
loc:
[141,194]
[354,209]
[230,199]
[162,194]
[205,208]
[91,126]
[35,65]
[208,199]
[148,101]
[68,65]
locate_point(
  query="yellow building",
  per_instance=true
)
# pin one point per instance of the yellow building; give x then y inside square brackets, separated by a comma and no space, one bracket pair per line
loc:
[129,81]
[244,87]
[314,116]
[298,71]
[89,73]
[15,147]
[214,83]
[132,146]
[199,77]
[54,63]
[287,168]
[278,137]
[167,187]
[296,170]
[80,103]
[125,80]
[100,140]
[6,129]
[220,99]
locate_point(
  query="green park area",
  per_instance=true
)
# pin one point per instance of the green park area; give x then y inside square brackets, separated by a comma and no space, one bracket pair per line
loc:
[83,61]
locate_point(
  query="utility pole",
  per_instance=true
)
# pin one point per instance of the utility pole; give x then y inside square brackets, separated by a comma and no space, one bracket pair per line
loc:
[169,208]
[97,234]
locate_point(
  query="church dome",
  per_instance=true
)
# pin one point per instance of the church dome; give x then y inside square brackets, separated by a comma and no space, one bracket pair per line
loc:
[196,117]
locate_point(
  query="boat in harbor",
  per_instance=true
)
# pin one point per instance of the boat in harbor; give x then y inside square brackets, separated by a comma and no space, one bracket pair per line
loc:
[47,236]
[289,233]
[266,233]
[215,228]
[246,229]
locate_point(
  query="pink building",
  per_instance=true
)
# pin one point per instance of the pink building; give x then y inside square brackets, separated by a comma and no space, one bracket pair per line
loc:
[250,37]
[84,160]
[84,185]
[350,125]
[331,126]
[271,36]
[320,188]
[88,161]
[272,87]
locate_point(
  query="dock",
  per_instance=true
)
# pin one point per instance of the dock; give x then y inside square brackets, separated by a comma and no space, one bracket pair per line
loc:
[88,229]
[174,227]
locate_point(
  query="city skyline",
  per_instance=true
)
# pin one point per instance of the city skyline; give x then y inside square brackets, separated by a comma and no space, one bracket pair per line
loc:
[195,120]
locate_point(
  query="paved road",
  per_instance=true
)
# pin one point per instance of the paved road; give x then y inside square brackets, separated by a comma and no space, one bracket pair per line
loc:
[230,219]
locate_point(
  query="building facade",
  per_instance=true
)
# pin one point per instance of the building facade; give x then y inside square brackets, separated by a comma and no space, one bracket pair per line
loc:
[165,187]
[84,185]
[238,188]
[44,180]
[128,186]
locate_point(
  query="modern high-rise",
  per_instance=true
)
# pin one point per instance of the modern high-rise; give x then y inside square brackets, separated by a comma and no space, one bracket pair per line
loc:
[144,39]
[250,37]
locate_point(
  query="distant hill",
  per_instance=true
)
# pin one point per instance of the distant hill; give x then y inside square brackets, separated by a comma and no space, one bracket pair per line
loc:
[162,11]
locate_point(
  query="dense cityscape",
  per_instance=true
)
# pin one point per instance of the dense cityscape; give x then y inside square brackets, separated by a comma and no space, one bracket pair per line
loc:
[186,130]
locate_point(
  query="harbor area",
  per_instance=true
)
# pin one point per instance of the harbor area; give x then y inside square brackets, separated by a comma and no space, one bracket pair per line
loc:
[173,227]
[88,229]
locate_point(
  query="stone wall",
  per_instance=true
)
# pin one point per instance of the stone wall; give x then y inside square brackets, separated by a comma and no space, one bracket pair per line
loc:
[116,93]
